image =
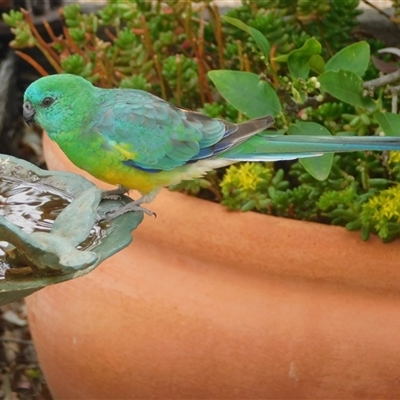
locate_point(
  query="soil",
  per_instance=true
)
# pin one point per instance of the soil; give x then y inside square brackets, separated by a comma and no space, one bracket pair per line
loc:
[21,377]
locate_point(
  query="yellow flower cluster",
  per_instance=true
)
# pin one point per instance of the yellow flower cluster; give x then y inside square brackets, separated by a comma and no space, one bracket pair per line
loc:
[245,186]
[385,205]
[245,176]
[381,213]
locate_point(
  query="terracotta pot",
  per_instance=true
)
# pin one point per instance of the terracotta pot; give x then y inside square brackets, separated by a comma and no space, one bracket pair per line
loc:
[211,304]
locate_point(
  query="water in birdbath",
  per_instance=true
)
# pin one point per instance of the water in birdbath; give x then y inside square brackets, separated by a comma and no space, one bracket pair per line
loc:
[33,205]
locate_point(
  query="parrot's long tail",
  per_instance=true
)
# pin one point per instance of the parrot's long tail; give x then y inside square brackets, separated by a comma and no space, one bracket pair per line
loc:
[247,142]
[283,147]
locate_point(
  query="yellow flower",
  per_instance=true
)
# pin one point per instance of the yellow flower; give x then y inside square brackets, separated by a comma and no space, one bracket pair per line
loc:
[385,205]
[246,176]
[394,157]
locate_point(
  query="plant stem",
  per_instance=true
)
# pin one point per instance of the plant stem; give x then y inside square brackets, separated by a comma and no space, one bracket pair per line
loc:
[204,87]
[158,68]
[214,11]
[179,79]
[379,11]
[71,43]
[200,55]
[187,21]
[205,91]
[274,67]
[292,107]
[47,51]
[395,98]
[246,62]
[240,54]
[147,37]
[53,37]
[109,34]
[214,188]
[32,62]
[382,80]
[200,69]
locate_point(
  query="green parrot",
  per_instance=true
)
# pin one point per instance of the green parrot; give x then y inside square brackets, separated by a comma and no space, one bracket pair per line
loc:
[135,140]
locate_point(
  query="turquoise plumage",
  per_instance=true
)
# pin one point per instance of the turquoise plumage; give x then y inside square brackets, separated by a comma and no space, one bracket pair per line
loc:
[138,141]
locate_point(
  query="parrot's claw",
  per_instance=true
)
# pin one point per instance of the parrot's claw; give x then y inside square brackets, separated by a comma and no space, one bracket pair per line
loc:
[106,196]
[114,194]
[129,208]
[135,206]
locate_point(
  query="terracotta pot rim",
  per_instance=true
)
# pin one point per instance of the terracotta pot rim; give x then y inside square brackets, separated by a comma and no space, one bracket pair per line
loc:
[318,252]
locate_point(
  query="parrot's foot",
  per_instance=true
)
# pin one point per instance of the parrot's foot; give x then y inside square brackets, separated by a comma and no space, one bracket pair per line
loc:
[114,194]
[134,206]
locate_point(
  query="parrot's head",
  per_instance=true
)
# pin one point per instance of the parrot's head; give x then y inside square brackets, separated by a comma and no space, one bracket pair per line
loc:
[58,102]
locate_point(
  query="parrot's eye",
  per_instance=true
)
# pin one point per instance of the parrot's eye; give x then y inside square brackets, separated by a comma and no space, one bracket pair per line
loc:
[47,101]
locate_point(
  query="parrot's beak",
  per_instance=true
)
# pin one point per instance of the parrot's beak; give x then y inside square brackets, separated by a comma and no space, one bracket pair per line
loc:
[29,112]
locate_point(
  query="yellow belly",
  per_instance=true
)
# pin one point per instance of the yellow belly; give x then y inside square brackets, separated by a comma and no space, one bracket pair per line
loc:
[132,178]
[106,163]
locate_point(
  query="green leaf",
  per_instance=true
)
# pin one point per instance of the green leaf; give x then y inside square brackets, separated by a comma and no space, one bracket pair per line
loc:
[365,232]
[299,97]
[345,86]
[246,92]
[318,167]
[389,122]
[258,37]
[317,63]
[299,59]
[261,41]
[282,58]
[237,22]
[354,58]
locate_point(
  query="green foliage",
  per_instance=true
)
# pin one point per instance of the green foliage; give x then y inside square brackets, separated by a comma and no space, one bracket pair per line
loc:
[299,60]
[252,186]
[256,186]
[381,214]
[343,207]
[389,122]
[181,75]
[348,189]
[135,82]
[345,86]
[259,38]
[256,97]
[296,60]
[125,44]
[353,58]
[288,24]
[218,110]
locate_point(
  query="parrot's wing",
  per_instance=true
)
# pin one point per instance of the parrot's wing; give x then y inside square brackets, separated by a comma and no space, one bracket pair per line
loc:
[154,135]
